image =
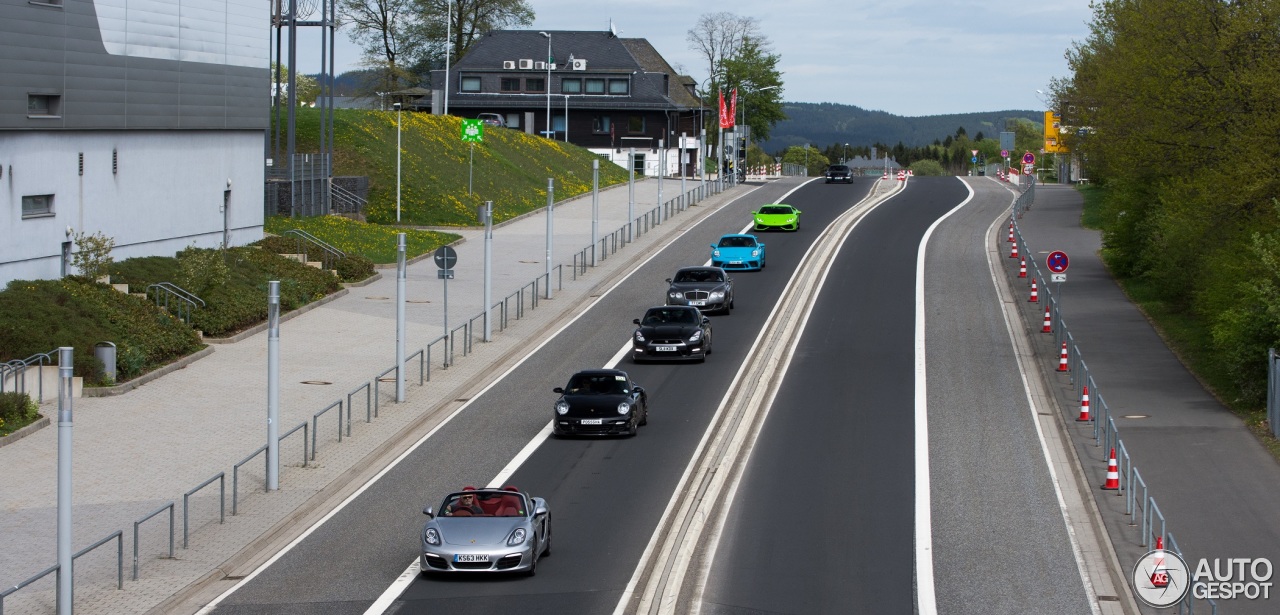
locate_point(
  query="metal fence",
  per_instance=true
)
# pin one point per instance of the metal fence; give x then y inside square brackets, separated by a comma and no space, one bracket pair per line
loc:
[1143,512]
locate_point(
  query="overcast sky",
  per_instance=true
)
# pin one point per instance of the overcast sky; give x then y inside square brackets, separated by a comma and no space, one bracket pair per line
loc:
[905,57]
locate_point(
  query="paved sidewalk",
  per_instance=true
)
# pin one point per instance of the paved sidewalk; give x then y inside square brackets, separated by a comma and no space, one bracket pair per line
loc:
[140,451]
[1214,483]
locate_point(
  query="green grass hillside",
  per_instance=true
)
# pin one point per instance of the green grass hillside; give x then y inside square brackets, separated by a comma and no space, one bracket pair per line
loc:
[510,167]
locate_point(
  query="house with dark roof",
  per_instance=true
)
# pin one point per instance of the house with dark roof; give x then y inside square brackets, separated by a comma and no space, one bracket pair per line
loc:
[593,89]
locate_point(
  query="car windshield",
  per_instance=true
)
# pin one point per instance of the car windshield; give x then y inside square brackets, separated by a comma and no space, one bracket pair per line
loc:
[839,169]
[698,275]
[669,316]
[597,384]
[484,503]
[775,210]
[737,242]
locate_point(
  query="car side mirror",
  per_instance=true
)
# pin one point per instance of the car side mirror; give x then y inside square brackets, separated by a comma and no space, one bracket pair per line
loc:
[753,213]
[706,321]
[637,388]
[541,509]
[713,246]
[668,280]
[636,320]
[558,390]
[427,511]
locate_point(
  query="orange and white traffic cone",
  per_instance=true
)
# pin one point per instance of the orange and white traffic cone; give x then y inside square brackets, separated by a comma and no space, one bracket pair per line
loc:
[1035,292]
[1022,269]
[1084,406]
[1062,360]
[1014,252]
[1113,473]
[1048,321]
[1010,239]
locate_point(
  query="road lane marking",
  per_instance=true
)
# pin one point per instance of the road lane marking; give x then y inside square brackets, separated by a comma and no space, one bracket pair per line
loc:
[926,594]
[406,578]
[680,530]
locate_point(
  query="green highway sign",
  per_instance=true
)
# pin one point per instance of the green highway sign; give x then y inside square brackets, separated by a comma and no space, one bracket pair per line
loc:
[473,131]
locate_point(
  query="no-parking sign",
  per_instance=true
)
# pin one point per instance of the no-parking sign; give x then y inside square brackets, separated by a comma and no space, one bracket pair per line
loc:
[1057,261]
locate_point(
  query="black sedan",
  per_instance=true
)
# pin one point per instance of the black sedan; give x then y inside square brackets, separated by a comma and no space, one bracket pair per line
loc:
[706,288]
[839,173]
[671,332]
[600,402]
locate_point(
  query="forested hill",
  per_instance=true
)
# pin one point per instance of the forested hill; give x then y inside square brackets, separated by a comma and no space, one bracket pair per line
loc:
[824,124]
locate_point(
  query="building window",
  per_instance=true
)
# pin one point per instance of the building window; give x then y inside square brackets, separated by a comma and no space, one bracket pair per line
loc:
[601,124]
[535,85]
[470,84]
[513,120]
[510,84]
[635,124]
[570,86]
[618,86]
[43,105]
[595,86]
[37,206]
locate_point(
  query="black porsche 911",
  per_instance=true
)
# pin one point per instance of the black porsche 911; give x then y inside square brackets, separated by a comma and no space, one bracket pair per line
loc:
[671,333]
[600,402]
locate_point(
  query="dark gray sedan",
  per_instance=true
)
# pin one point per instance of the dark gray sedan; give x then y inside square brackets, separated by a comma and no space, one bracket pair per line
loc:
[671,333]
[600,402]
[709,289]
[486,530]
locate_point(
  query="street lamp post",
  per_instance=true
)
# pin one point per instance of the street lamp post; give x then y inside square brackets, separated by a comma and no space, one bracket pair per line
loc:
[566,114]
[448,34]
[846,153]
[397,106]
[550,135]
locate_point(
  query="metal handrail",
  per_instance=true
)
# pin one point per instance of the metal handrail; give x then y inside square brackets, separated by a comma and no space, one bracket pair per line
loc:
[331,254]
[144,520]
[187,301]
[222,503]
[345,201]
[18,368]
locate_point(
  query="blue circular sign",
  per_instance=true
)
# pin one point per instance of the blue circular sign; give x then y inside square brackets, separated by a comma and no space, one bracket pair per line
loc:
[1057,261]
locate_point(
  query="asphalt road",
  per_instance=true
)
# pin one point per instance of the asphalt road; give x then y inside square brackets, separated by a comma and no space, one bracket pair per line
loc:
[605,495]
[823,521]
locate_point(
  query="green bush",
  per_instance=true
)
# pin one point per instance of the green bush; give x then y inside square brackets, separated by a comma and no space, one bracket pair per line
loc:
[42,315]
[353,268]
[17,410]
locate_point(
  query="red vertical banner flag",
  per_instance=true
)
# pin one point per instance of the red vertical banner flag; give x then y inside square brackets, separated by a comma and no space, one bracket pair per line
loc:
[726,121]
[733,108]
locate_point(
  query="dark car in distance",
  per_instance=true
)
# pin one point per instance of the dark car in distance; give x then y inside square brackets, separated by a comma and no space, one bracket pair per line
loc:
[600,402]
[706,288]
[671,333]
[839,173]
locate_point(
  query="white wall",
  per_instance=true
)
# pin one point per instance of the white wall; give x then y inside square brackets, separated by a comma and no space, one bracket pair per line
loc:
[166,194]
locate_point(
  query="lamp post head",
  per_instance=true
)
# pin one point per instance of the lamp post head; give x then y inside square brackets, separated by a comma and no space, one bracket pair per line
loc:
[395,106]
[545,34]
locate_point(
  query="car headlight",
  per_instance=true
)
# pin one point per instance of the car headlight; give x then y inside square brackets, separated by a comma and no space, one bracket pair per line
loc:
[562,407]
[624,408]
[755,252]
[717,294]
[517,537]
[431,536]
[639,337]
[675,294]
[715,253]
[697,335]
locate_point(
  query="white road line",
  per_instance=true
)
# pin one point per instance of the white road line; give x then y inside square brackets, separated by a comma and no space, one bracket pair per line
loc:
[926,594]
[406,578]
[1005,307]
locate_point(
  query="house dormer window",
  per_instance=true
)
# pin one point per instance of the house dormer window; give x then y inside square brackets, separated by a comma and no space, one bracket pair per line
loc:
[571,86]
[470,84]
[619,87]
[595,86]
[535,84]
[510,84]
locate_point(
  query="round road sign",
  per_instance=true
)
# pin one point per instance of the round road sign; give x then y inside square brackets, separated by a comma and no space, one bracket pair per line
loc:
[1028,158]
[445,257]
[1057,261]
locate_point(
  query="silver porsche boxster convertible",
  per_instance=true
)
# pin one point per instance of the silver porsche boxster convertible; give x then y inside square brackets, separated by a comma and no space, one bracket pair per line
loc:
[486,530]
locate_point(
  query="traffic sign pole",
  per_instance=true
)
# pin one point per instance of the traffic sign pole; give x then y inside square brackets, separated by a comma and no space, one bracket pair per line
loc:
[445,258]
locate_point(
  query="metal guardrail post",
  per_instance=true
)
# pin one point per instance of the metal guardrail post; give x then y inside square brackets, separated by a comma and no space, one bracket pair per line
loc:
[235,486]
[368,404]
[304,426]
[144,520]
[315,429]
[186,497]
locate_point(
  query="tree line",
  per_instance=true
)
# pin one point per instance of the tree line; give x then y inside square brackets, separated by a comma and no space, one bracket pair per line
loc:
[1173,107]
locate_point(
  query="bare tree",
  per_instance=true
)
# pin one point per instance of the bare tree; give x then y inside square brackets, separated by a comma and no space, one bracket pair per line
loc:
[467,20]
[719,37]
[385,31]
